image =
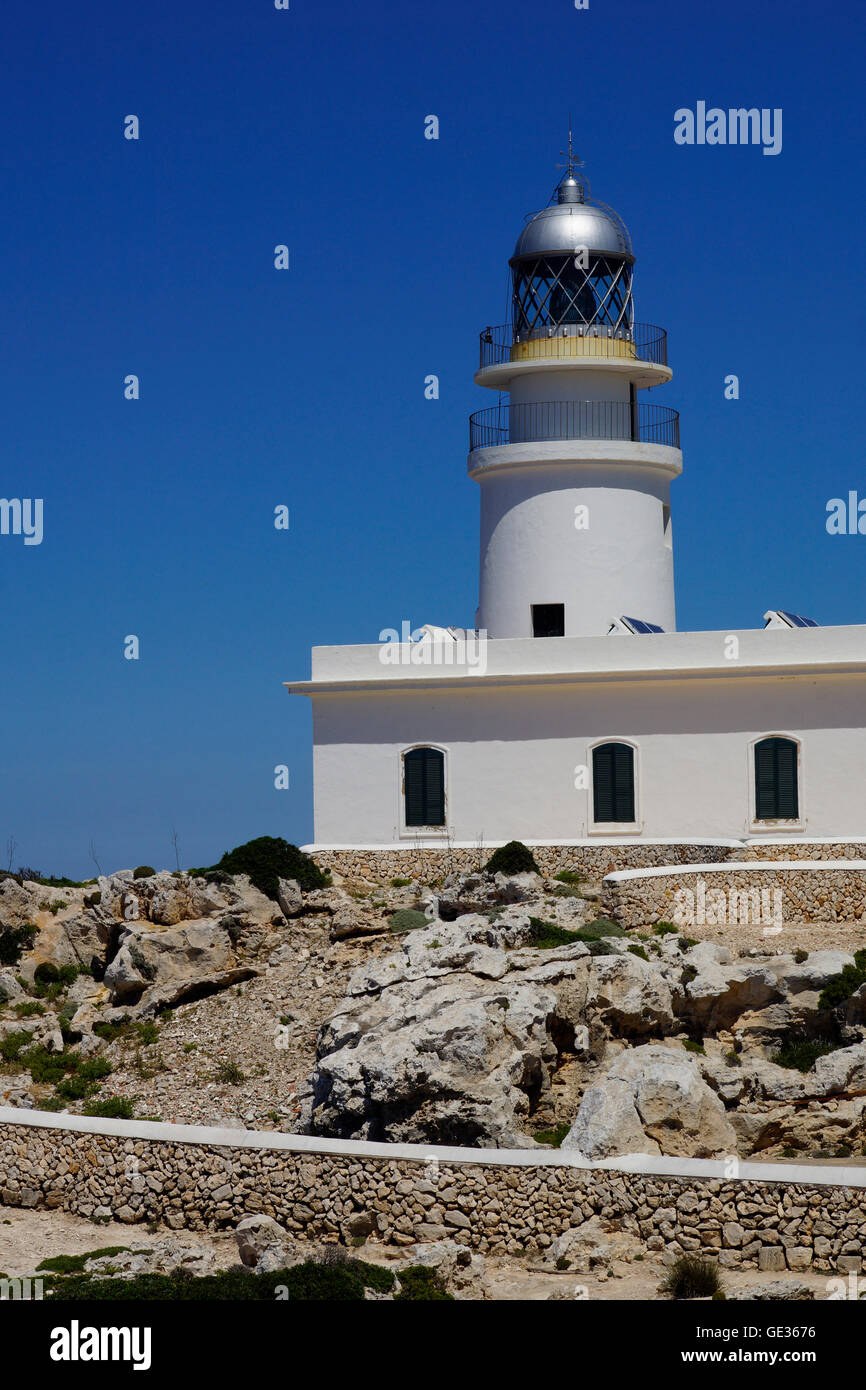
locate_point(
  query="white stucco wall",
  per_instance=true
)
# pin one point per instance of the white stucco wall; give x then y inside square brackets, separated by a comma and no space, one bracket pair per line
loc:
[619,561]
[512,754]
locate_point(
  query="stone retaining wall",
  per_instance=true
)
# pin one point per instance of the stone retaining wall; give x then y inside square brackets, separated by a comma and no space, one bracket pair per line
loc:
[800,891]
[802,849]
[428,865]
[496,1207]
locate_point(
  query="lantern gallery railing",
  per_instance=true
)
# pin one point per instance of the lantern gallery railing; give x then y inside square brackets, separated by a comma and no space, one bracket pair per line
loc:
[643,342]
[545,420]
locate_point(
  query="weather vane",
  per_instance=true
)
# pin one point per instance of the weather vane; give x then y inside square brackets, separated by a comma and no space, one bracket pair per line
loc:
[573,162]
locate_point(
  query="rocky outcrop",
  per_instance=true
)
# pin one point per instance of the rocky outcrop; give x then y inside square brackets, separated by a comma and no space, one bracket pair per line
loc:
[652,1099]
[153,969]
[452,1040]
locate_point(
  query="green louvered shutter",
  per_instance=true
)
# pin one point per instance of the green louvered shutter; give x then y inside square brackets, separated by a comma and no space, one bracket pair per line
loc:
[776,791]
[424,786]
[613,783]
[623,782]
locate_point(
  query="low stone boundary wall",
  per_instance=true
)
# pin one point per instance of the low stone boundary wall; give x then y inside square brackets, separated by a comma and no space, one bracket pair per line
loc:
[770,1216]
[593,858]
[741,893]
[803,849]
[430,863]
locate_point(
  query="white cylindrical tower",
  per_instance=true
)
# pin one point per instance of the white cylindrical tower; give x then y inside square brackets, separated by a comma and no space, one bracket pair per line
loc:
[574,472]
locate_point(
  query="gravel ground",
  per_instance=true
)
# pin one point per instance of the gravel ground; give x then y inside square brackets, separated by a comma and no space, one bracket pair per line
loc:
[794,936]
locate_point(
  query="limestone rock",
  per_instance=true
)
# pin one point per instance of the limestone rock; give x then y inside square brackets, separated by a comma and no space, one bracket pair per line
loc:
[652,1100]
[450,1040]
[154,968]
[290,897]
[630,994]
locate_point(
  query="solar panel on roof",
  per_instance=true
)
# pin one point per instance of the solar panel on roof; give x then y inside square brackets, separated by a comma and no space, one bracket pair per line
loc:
[639,625]
[796,620]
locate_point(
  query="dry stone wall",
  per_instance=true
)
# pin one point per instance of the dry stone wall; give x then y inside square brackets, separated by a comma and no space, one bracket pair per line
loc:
[803,849]
[771,895]
[495,1208]
[428,865]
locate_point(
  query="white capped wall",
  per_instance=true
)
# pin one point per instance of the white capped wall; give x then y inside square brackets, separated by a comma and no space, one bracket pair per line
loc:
[512,754]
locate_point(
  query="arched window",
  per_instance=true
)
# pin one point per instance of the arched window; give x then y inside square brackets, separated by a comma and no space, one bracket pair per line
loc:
[776,792]
[613,783]
[424,786]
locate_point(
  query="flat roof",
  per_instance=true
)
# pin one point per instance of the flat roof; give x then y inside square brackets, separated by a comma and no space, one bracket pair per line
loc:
[547,660]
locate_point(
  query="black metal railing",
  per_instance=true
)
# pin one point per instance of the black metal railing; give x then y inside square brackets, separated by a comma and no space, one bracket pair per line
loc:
[643,342]
[548,420]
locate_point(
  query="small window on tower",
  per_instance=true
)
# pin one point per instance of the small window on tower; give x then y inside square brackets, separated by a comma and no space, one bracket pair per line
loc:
[548,619]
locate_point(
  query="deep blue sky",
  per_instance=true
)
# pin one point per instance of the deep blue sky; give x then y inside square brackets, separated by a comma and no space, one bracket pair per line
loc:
[306,387]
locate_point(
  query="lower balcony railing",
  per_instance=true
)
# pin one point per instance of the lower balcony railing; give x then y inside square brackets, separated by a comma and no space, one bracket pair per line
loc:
[547,420]
[640,342]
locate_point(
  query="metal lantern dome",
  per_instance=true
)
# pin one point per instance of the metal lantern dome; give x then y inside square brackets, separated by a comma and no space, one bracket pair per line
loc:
[572,267]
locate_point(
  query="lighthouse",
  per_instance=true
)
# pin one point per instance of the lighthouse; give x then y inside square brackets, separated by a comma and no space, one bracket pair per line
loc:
[583,718]
[574,467]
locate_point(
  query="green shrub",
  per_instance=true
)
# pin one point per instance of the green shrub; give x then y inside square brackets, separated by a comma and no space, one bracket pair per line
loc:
[83,1078]
[546,936]
[407,919]
[74,1264]
[638,951]
[230,1074]
[112,1108]
[664,928]
[840,987]
[92,899]
[692,1277]
[11,1045]
[400,882]
[692,1046]
[599,928]
[73,1077]
[801,1054]
[14,941]
[267,860]
[569,876]
[143,871]
[334,1281]
[686,943]
[800,956]
[553,1136]
[50,981]
[513,858]
[28,1008]
[420,1282]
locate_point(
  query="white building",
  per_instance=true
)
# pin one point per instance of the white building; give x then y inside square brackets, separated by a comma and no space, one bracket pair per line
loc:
[576,709]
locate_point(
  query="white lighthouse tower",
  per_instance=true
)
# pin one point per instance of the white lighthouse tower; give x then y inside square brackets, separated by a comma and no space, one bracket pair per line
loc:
[574,471]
